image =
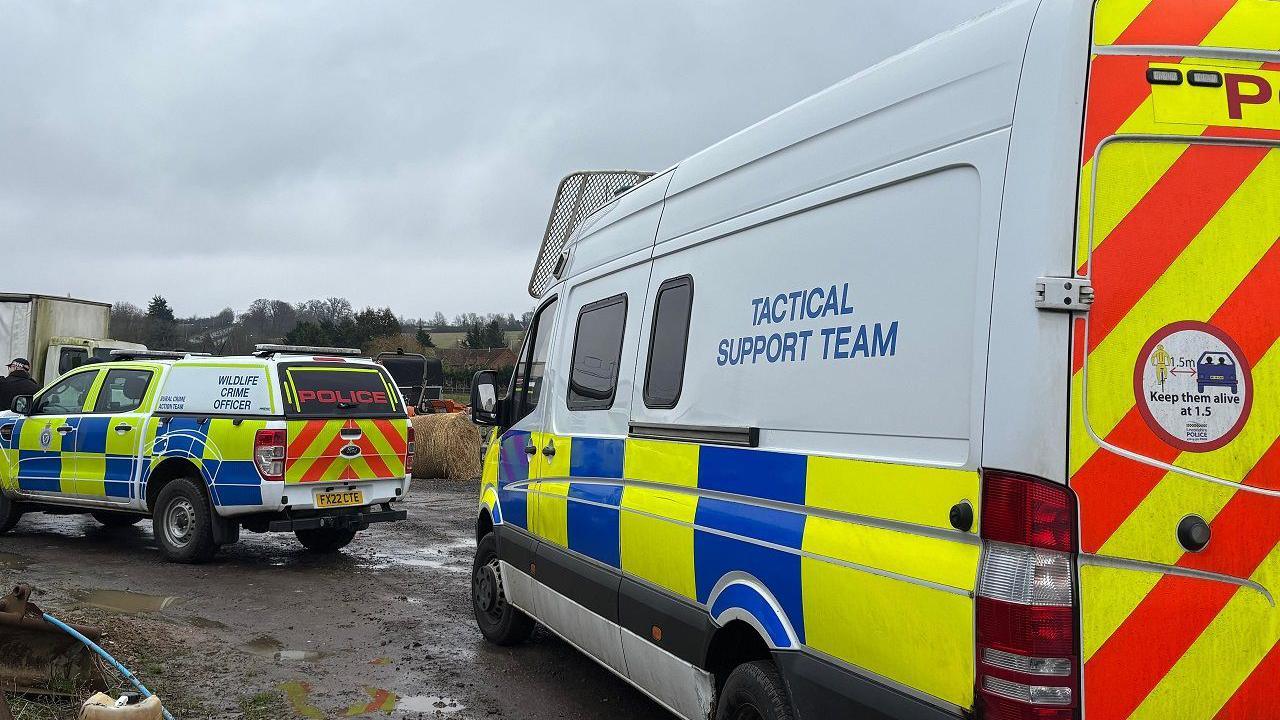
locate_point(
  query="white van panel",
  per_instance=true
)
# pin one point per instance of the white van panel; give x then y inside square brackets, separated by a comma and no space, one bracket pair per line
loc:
[956,86]
[915,260]
[1029,363]
[624,227]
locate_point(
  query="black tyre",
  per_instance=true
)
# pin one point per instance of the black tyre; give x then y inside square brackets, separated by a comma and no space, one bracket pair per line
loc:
[10,514]
[183,522]
[116,519]
[754,691]
[500,623]
[325,540]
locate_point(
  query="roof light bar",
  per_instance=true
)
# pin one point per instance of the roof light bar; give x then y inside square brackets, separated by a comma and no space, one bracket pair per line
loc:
[153,354]
[269,349]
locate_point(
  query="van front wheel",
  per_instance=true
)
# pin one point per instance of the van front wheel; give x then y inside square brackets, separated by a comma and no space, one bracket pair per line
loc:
[183,522]
[754,691]
[325,540]
[10,514]
[499,621]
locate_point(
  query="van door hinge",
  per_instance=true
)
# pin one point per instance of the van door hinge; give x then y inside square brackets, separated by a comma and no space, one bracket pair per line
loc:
[1064,294]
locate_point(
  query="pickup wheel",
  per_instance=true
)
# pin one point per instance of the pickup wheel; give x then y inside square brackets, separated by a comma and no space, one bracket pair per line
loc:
[500,622]
[116,519]
[754,691]
[325,540]
[10,514]
[183,522]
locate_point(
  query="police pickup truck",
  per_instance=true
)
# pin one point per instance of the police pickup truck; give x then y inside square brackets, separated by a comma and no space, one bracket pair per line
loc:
[310,440]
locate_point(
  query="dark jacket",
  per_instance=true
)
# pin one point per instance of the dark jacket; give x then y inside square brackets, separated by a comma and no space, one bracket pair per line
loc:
[18,383]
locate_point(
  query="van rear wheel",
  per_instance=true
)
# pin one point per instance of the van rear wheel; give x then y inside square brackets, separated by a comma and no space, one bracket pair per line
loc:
[325,540]
[754,691]
[499,621]
[183,522]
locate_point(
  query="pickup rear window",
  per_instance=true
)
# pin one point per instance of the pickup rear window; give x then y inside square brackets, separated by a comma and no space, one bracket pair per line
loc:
[332,390]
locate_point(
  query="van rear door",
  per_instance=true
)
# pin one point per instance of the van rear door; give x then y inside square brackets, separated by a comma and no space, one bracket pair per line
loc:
[344,422]
[1174,453]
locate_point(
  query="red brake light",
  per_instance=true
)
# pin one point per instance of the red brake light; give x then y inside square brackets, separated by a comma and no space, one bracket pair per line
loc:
[1027,511]
[268,453]
[1027,658]
[409,449]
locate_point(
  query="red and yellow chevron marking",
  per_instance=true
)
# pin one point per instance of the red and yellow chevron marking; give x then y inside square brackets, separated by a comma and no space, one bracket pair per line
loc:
[314,450]
[1181,230]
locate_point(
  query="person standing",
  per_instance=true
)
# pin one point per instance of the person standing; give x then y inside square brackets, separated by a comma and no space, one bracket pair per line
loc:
[19,382]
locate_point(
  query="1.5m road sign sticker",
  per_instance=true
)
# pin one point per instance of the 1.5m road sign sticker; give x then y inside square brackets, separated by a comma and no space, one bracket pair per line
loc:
[1193,386]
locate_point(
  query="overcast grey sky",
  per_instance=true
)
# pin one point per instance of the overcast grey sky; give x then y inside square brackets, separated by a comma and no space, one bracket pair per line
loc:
[395,153]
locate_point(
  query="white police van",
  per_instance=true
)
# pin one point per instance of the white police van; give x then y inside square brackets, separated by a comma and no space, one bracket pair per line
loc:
[951,391]
[309,440]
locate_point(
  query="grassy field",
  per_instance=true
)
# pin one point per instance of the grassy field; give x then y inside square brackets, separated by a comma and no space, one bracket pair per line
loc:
[452,339]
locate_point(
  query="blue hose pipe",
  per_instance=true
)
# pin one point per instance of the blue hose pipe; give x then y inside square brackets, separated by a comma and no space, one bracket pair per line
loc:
[105,656]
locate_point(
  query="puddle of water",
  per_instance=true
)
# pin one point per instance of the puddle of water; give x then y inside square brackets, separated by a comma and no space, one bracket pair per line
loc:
[124,601]
[9,561]
[447,557]
[269,647]
[429,703]
[206,623]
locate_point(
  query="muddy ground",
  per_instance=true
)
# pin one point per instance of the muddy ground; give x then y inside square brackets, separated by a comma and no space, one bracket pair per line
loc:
[268,631]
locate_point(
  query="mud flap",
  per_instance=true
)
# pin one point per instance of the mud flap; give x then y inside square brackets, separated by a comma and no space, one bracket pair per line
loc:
[225,530]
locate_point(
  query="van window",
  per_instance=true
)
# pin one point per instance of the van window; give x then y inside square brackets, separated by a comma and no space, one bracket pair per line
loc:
[71,358]
[122,391]
[526,382]
[597,350]
[331,390]
[668,343]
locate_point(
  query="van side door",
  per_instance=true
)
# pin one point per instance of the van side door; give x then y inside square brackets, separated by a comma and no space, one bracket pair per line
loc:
[109,437]
[517,454]
[46,442]
[583,446]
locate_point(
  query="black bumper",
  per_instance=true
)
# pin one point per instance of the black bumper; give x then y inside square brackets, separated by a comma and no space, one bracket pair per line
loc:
[339,520]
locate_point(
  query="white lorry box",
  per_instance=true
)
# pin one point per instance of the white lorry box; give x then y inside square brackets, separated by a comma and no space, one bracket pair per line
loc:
[56,334]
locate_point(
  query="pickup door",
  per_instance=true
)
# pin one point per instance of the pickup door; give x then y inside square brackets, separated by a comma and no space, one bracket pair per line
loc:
[108,437]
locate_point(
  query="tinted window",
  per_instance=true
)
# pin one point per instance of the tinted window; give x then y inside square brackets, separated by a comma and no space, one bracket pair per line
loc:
[322,390]
[66,397]
[122,391]
[597,350]
[668,343]
[527,381]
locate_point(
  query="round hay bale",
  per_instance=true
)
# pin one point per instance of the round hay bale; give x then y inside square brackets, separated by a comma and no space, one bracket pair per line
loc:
[447,447]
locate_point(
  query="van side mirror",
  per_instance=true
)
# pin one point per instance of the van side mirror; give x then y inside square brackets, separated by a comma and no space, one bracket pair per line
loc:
[21,405]
[485,408]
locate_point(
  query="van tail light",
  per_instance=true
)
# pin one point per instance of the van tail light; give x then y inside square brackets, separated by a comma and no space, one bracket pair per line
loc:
[1027,650]
[268,453]
[409,449]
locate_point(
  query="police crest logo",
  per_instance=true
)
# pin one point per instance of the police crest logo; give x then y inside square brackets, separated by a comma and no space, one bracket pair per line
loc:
[1193,386]
[46,437]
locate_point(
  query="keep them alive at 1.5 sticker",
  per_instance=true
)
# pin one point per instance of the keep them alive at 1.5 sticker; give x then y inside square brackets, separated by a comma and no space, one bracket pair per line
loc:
[1193,386]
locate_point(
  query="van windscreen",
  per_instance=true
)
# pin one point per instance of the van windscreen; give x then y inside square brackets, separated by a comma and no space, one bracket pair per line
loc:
[323,390]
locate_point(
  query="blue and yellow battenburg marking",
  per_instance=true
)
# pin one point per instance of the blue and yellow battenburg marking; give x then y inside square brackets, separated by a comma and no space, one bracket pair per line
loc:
[96,459]
[854,560]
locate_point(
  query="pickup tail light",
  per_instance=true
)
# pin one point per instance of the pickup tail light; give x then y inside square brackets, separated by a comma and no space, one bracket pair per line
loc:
[1027,650]
[409,450]
[268,453]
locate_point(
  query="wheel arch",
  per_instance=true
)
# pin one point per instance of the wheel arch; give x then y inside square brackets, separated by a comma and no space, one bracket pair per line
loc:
[168,470]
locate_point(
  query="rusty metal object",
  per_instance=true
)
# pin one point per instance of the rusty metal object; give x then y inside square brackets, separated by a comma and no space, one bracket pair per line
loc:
[36,657]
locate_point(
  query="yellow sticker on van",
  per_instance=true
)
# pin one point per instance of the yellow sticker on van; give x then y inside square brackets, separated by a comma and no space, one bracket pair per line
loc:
[1214,95]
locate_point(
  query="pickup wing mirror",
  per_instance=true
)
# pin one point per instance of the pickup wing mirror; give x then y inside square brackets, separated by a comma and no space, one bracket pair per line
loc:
[22,405]
[485,407]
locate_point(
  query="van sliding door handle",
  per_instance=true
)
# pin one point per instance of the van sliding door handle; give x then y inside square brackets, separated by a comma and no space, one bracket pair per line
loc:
[549,451]
[531,450]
